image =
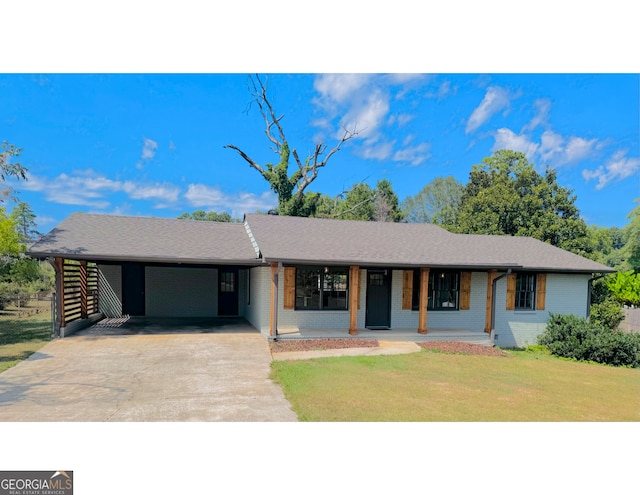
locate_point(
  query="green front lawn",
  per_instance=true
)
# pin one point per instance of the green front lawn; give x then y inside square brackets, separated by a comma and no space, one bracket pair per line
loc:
[22,336]
[432,386]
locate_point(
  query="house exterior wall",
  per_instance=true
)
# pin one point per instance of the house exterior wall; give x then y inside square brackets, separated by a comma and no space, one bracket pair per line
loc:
[471,319]
[110,299]
[319,319]
[566,294]
[256,307]
[181,291]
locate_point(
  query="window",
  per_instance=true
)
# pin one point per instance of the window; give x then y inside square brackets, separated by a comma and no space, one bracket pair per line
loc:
[321,288]
[525,291]
[227,282]
[444,289]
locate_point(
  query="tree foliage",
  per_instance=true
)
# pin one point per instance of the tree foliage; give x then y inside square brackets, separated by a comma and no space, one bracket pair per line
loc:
[505,195]
[632,233]
[210,216]
[362,202]
[437,202]
[625,287]
[291,188]
[8,168]
[9,238]
[25,220]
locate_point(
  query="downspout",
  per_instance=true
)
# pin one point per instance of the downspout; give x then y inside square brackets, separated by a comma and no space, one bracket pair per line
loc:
[590,291]
[493,302]
[274,308]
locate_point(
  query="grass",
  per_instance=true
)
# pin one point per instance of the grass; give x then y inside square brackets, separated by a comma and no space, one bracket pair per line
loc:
[22,336]
[429,386]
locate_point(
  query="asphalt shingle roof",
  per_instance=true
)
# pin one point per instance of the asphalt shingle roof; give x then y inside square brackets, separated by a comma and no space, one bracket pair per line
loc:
[314,240]
[298,240]
[110,237]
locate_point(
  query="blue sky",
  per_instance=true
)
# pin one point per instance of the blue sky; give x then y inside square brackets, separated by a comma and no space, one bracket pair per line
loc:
[153,144]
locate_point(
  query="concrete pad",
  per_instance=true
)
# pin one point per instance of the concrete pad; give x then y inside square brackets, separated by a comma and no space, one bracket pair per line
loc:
[161,377]
[385,347]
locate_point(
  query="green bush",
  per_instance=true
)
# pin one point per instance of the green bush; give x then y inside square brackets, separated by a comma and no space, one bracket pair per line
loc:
[607,314]
[572,337]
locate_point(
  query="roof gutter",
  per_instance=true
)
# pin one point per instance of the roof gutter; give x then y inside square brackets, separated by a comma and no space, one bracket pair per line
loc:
[493,302]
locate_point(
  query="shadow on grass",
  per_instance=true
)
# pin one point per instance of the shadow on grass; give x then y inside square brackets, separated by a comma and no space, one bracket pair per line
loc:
[18,331]
[19,356]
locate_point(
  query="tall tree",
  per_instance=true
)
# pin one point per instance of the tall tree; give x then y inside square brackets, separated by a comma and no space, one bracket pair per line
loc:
[505,195]
[437,202]
[362,202]
[25,220]
[9,168]
[9,238]
[291,189]
[632,232]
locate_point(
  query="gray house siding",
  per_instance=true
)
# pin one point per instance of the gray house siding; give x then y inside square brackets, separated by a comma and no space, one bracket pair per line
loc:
[173,291]
[566,294]
[319,320]
[256,308]
[181,291]
[110,300]
[471,319]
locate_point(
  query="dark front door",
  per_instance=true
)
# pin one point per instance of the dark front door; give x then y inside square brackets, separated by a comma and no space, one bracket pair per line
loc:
[228,292]
[133,289]
[378,299]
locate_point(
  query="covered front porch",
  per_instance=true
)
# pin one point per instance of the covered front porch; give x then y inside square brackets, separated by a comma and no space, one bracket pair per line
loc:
[396,334]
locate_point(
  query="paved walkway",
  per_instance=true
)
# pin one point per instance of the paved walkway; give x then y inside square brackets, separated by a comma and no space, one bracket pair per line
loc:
[162,377]
[385,347]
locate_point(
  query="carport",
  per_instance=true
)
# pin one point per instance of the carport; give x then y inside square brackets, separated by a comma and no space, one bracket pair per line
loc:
[113,266]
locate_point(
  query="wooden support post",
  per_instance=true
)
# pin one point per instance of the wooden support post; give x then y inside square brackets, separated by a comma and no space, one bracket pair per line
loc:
[424,300]
[491,275]
[83,289]
[354,297]
[273,320]
[59,268]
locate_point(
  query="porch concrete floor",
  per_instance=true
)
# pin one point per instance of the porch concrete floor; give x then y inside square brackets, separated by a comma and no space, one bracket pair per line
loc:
[393,335]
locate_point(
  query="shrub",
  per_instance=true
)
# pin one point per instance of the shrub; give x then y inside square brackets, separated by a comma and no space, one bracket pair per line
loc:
[573,337]
[607,314]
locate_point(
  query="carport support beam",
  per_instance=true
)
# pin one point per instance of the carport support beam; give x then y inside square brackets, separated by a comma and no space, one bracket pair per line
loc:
[424,299]
[273,321]
[58,264]
[354,296]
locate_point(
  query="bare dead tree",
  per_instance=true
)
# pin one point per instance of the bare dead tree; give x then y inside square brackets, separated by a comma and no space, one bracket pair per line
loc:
[289,188]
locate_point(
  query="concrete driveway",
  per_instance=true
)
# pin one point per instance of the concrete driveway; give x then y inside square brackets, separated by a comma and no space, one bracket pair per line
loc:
[146,377]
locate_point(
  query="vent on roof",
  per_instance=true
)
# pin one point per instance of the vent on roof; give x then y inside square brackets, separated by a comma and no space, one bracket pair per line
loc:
[272,212]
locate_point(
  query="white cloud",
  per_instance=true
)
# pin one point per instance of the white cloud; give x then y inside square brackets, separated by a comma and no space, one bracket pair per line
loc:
[557,150]
[167,193]
[149,149]
[376,150]
[507,139]
[367,115]
[401,119]
[414,155]
[618,167]
[443,91]
[495,100]
[543,106]
[337,88]
[202,196]
[86,188]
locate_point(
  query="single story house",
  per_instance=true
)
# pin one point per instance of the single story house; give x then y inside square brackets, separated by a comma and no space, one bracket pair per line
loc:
[281,272]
